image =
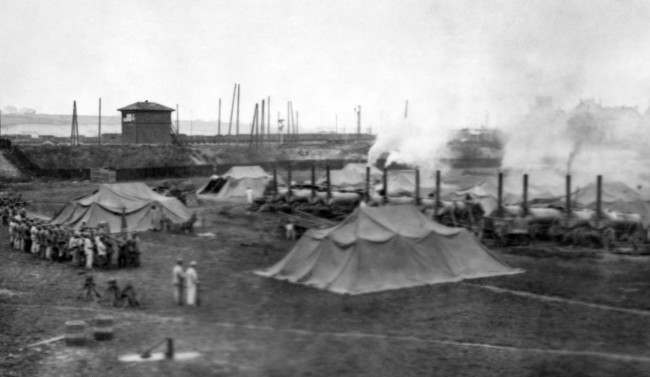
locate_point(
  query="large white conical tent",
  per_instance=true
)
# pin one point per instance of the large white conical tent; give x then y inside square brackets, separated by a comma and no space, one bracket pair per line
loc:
[383,248]
[123,206]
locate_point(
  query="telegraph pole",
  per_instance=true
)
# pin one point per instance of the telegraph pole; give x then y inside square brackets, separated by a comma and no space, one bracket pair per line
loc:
[268,115]
[262,119]
[358,111]
[74,133]
[336,123]
[178,125]
[219,119]
[232,108]
[99,123]
[238,94]
[288,119]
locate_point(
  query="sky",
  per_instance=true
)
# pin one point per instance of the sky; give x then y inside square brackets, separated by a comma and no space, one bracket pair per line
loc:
[455,61]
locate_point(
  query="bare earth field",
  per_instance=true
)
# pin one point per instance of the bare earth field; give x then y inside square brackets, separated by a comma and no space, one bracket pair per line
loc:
[570,314]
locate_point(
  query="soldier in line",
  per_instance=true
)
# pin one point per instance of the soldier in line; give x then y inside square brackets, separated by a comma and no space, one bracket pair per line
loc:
[89,251]
[121,251]
[33,235]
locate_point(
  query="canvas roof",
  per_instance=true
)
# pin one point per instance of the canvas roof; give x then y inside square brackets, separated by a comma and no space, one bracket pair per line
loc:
[237,180]
[252,171]
[383,248]
[616,196]
[132,204]
[611,192]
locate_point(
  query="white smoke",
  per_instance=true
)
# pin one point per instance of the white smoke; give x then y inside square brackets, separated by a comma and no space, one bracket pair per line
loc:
[412,143]
[586,141]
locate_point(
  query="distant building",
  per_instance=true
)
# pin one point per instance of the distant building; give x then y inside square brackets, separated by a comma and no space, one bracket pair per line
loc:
[146,123]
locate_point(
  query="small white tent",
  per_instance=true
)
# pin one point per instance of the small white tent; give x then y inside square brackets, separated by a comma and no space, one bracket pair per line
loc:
[232,185]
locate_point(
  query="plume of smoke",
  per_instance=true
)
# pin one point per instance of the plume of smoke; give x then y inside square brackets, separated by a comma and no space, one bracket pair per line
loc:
[588,140]
[410,142]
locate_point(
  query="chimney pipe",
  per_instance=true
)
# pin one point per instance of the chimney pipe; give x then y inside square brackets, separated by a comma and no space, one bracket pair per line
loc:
[568,196]
[437,198]
[500,195]
[313,180]
[328,183]
[289,179]
[367,183]
[417,186]
[275,181]
[599,196]
[385,184]
[525,196]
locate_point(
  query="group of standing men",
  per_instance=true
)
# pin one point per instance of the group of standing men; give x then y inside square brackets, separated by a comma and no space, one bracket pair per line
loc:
[186,284]
[86,247]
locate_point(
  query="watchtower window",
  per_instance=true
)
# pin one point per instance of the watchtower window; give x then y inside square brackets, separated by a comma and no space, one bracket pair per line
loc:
[129,117]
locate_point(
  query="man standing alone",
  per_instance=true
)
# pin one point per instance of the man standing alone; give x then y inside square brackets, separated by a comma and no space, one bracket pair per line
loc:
[178,280]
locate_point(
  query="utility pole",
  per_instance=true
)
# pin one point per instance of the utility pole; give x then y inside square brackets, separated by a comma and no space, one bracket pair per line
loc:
[219,119]
[99,123]
[257,123]
[74,133]
[336,123]
[288,118]
[358,111]
[253,123]
[178,124]
[232,108]
[406,109]
[238,94]
[262,119]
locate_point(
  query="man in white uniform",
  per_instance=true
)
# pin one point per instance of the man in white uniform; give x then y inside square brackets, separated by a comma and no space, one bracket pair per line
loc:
[192,283]
[290,231]
[178,280]
[88,251]
[12,233]
[34,237]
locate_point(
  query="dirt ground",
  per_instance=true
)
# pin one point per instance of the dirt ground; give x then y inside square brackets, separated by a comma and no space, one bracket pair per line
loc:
[570,314]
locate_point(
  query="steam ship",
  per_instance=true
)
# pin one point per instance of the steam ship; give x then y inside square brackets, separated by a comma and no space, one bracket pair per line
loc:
[475,148]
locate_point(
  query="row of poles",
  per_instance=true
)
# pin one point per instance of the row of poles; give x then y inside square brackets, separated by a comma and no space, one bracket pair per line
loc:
[292,118]
[328,185]
[437,203]
[260,125]
[568,204]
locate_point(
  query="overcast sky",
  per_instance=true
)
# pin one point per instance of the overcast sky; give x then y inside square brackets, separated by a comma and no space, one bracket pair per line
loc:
[454,60]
